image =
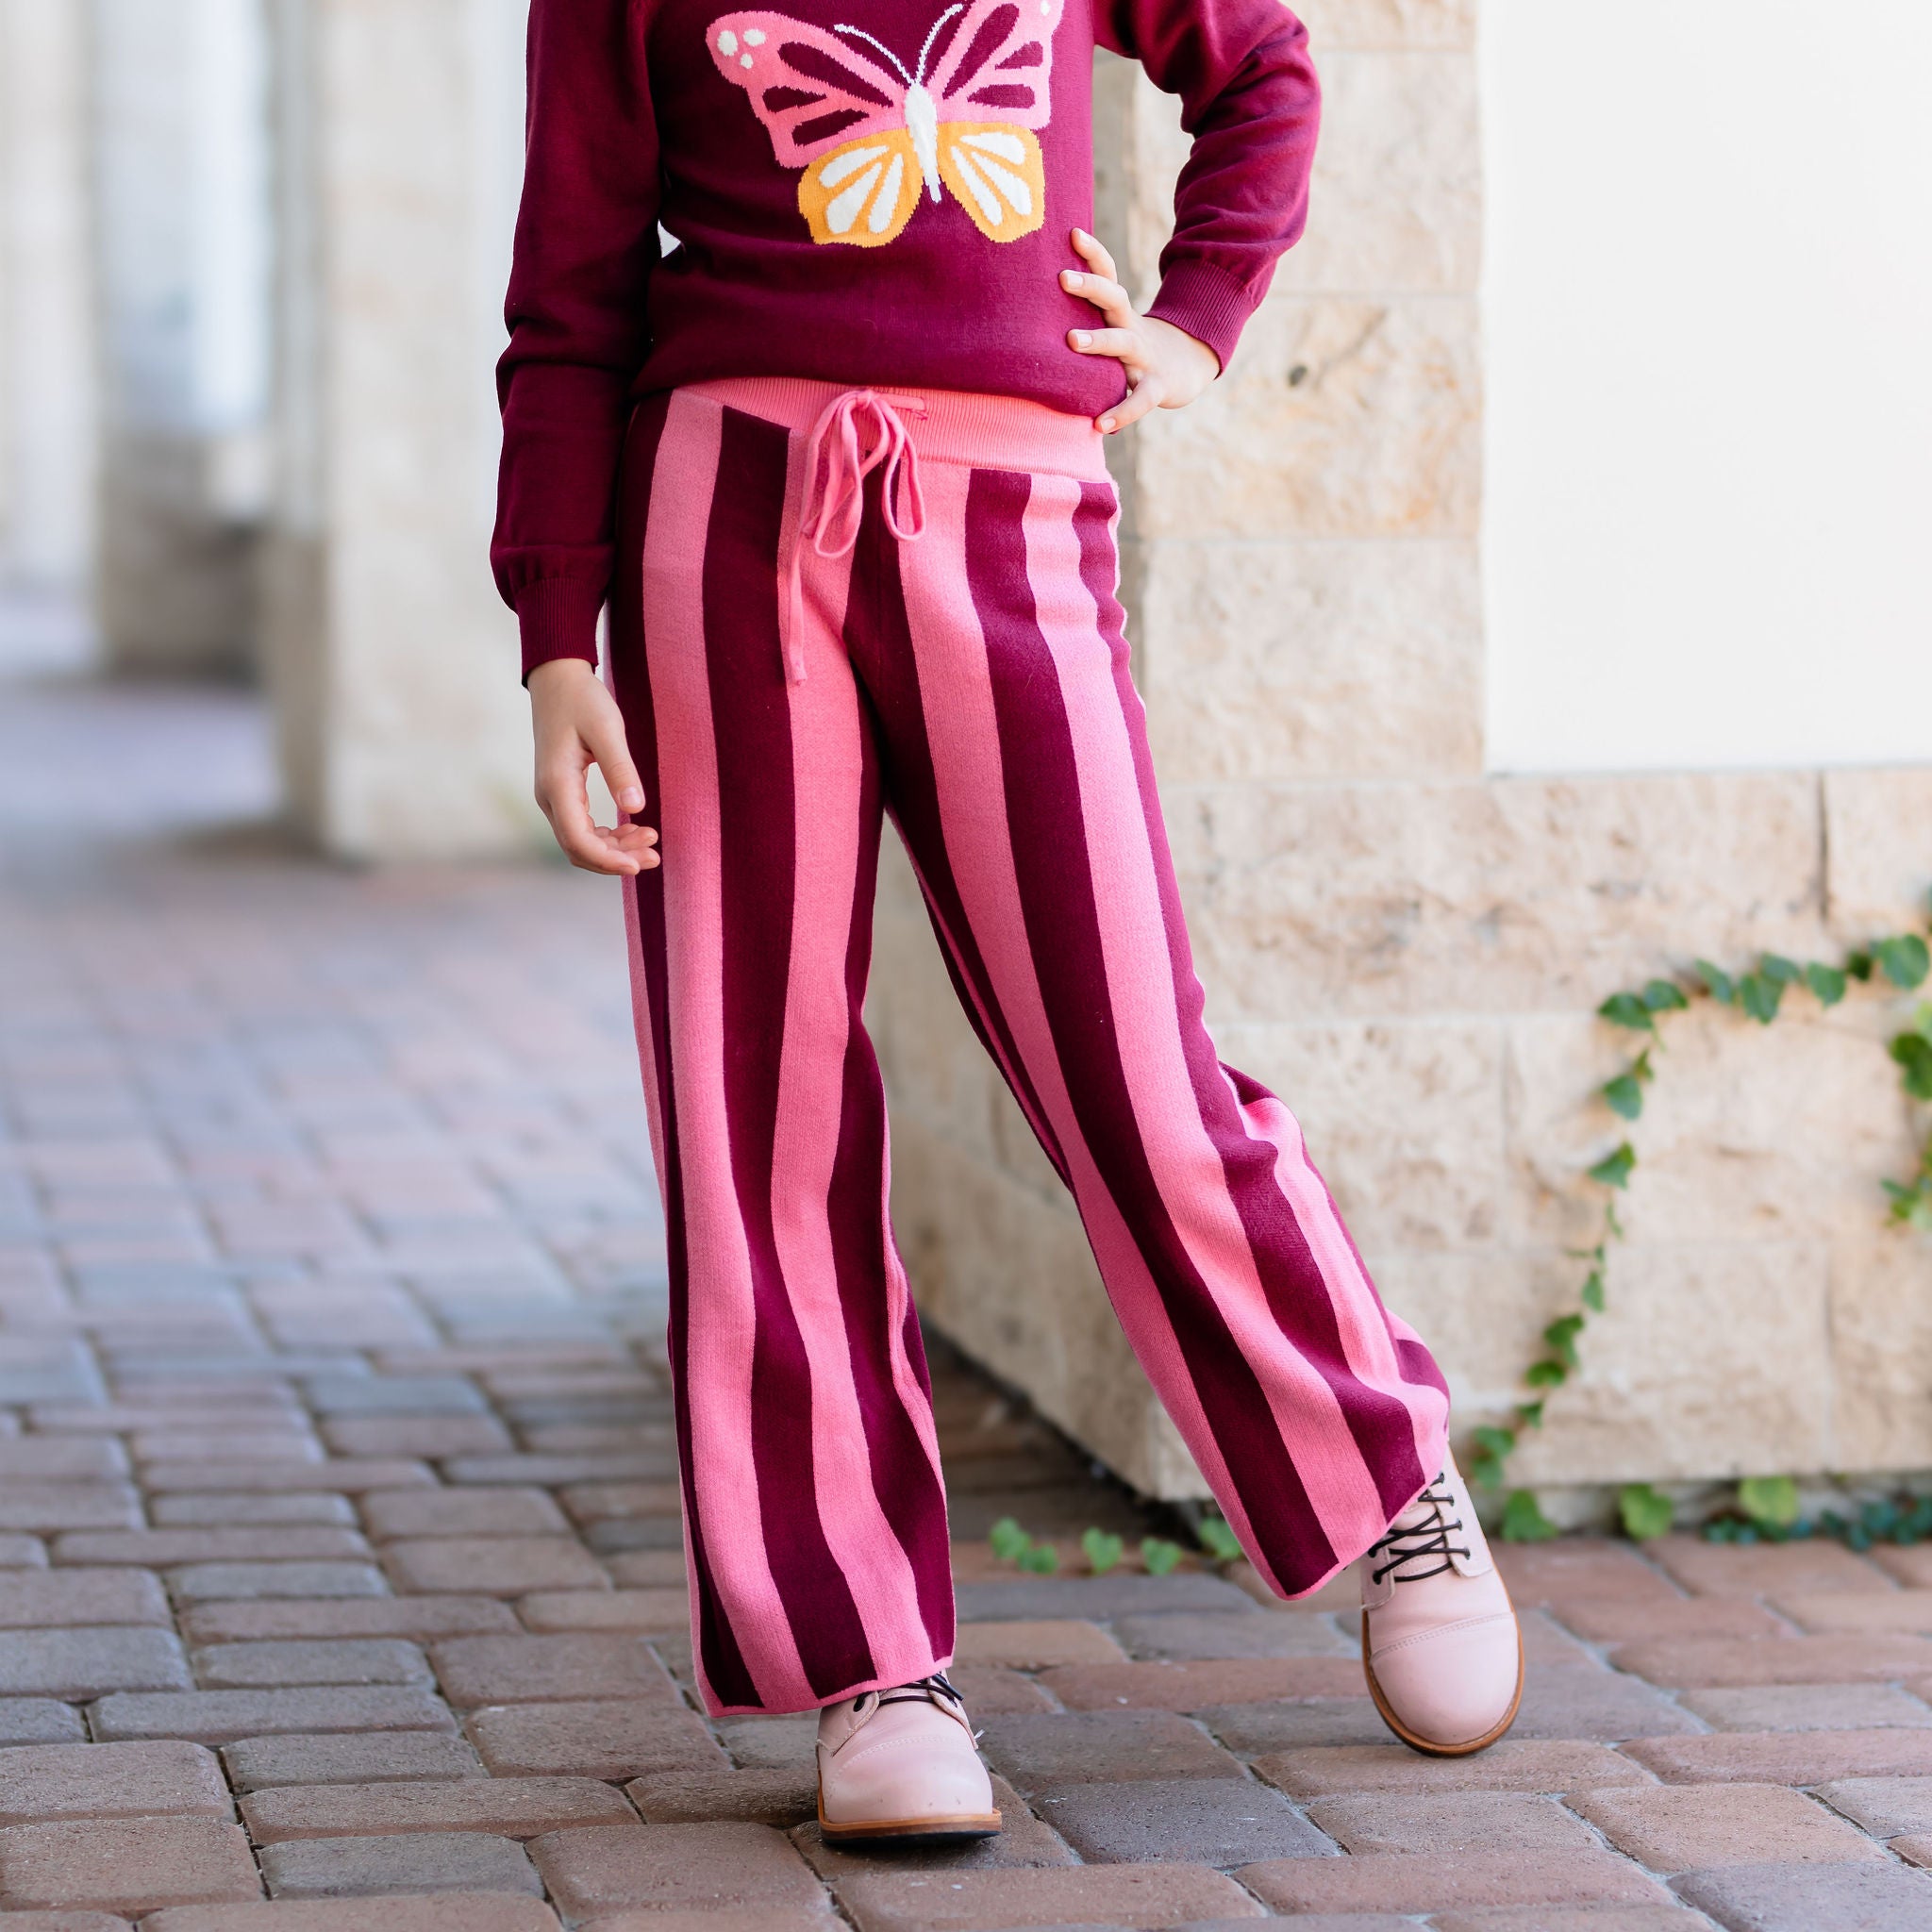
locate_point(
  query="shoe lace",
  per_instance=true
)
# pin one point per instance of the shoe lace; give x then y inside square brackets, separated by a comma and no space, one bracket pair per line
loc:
[1421,1540]
[923,1690]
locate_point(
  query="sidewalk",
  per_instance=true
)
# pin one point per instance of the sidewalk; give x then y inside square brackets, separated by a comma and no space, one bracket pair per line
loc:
[340,1576]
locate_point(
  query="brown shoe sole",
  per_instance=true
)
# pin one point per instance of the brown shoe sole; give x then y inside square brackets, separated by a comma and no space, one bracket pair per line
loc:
[970,1824]
[1427,1747]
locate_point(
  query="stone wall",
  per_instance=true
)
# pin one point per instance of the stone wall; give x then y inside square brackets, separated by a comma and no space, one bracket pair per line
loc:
[392,662]
[1409,950]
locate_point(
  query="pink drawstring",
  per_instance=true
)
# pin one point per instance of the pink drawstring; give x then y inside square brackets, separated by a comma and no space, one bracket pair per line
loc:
[836,467]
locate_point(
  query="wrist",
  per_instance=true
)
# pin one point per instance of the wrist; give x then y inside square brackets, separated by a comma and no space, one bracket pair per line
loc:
[560,674]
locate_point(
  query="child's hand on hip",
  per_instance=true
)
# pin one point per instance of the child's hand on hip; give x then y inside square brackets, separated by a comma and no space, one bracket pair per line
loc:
[1165,365]
[578,725]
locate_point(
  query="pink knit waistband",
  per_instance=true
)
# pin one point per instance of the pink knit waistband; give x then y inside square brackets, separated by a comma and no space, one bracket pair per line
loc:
[945,426]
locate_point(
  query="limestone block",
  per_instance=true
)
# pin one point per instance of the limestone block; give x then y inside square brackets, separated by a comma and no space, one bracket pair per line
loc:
[1311,659]
[1881,1332]
[1342,416]
[1711,1360]
[1403,1120]
[1396,198]
[1334,24]
[1479,1312]
[1879,853]
[1748,1132]
[1507,896]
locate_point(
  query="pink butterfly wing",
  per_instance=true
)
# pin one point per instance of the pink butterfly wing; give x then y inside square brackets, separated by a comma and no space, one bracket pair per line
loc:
[754,50]
[998,64]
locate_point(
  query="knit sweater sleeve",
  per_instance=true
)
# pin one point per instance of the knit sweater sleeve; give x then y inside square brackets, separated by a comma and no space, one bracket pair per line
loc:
[586,244]
[1250,100]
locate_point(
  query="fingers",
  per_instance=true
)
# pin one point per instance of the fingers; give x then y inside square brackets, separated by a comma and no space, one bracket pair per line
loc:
[1106,295]
[1142,398]
[560,793]
[1122,343]
[1088,247]
[603,740]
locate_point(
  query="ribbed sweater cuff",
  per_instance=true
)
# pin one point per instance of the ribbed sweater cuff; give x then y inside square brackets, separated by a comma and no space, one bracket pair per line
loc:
[557,617]
[1210,305]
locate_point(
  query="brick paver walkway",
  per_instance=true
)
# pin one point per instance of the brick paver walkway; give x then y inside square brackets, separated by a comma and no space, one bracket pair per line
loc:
[340,1580]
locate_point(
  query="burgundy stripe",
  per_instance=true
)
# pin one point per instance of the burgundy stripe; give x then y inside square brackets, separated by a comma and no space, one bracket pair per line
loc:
[878,638]
[903,1476]
[1381,1424]
[723,1665]
[750,705]
[1050,843]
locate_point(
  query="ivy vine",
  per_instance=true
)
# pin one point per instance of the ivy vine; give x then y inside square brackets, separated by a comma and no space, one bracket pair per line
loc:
[1903,961]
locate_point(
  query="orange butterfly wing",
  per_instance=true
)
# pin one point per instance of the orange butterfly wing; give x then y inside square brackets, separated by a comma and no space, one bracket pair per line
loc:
[862,193]
[995,171]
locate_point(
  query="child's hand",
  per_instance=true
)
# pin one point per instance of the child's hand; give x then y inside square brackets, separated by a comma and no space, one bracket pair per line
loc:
[578,725]
[1164,364]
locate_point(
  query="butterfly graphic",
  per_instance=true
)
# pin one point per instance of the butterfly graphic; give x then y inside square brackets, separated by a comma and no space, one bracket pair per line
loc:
[869,136]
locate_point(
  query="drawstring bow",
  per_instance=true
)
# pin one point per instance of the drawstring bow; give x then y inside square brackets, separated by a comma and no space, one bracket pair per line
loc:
[857,432]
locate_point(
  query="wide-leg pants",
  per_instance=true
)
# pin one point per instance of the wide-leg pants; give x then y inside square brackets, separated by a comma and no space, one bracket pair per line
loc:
[791,670]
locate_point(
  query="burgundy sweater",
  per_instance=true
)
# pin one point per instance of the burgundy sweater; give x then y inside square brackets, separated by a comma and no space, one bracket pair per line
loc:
[867,191]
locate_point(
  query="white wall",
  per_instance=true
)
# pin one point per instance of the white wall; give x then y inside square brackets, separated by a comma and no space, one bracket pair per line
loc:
[1707,293]
[46,297]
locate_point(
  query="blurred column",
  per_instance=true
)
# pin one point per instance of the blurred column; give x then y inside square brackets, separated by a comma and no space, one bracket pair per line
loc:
[183,246]
[391,665]
[46,299]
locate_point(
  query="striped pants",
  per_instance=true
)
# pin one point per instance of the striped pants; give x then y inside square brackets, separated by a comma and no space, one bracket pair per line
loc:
[834,608]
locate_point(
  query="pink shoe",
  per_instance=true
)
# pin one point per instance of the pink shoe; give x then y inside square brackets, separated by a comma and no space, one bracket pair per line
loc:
[901,1765]
[1439,1643]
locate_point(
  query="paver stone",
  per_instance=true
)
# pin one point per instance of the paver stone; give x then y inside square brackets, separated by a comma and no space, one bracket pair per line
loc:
[604,1868]
[47,1781]
[1797,1898]
[419,1861]
[1685,1827]
[124,1864]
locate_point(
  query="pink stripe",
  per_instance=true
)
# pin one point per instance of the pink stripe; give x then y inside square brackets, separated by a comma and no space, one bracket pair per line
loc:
[963,733]
[1186,1163]
[1364,1326]
[828,773]
[647,1045]
[720,1316]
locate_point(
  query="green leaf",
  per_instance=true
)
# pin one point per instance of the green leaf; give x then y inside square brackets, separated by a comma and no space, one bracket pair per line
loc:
[1772,1499]
[1561,1335]
[1826,982]
[1042,1560]
[1009,1540]
[1759,995]
[1721,986]
[1913,1053]
[1219,1540]
[1775,966]
[1593,1290]
[1860,966]
[1645,1512]
[1903,960]
[1524,1521]
[1490,1440]
[1529,1415]
[1159,1555]
[1660,996]
[1613,1170]
[1546,1374]
[1103,1550]
[1623,1096]
[1628,1009]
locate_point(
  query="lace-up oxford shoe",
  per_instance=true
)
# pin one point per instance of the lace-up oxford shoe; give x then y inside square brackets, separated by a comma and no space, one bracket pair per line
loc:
[1439,1643]
[901,1765]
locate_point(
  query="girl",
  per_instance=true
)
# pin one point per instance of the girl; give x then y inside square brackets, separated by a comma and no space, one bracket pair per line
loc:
[811,355]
